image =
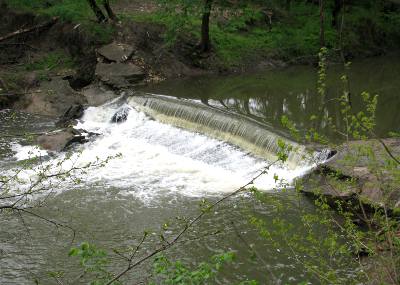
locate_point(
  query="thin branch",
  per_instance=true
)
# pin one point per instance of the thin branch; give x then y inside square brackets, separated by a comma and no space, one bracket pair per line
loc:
[138,246]
[189,225]
[55,223]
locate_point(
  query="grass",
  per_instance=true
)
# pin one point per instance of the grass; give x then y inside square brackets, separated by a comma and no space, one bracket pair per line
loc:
[67,10]
[51,61]
[74,11]
[235,41]
[292,35]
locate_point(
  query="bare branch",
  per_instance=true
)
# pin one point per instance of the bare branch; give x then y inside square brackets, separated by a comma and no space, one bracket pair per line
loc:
[55,223]
[189,225]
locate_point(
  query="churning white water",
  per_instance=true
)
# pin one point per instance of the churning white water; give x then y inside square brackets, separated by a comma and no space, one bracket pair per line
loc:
[158,159]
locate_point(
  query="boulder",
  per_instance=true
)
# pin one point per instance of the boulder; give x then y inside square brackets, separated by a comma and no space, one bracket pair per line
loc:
[51,98]
[119,75]
[73,113]
[121,115]
[84,74]
[31,80]
[116,52]
[61,139]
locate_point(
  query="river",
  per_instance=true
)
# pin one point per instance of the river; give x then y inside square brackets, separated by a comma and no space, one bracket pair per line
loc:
[165,172]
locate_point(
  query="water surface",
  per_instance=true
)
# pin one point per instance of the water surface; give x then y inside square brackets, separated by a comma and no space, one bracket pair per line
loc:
[165,172]
[291,91]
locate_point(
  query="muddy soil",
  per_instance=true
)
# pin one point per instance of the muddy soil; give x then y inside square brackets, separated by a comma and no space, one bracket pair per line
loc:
[17,54]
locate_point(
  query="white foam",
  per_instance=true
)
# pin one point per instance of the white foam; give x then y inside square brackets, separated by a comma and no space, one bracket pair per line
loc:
[158,159]
[26,152]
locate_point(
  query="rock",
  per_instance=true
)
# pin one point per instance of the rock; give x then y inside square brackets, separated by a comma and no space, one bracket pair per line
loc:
[355,172]
[316,184]
[119,75]
[52,98]
[96,95]
[85,74]
[73,113]
[121,115]
[60,140]
[322,154]
[352,156]
[116,52]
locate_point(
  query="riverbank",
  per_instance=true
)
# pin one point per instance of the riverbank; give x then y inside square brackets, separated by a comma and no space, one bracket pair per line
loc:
[164,44]
[55,64]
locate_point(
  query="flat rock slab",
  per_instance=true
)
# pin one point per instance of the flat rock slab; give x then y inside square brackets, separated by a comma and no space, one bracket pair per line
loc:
[353,158]
[119,75]
[363,169]
[116,52]
[329,187]
[96,95]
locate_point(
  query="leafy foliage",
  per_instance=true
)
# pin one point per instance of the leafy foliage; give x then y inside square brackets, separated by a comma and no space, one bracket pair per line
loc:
[93,261]
[176,273]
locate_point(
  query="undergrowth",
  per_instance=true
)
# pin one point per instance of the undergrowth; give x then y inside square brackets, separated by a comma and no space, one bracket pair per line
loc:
[51,61]
[243,33]
[77,12]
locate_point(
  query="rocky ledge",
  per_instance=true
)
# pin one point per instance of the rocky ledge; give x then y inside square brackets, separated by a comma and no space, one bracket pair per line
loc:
[362,171]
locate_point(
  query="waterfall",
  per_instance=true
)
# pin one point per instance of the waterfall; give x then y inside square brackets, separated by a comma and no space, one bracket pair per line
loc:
[248,134]
[156,157]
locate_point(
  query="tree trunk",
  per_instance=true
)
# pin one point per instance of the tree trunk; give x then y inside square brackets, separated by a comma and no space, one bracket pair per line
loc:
[288,2]
[205,44]
[110,12]
[321,24]
[335,12]
[97,11]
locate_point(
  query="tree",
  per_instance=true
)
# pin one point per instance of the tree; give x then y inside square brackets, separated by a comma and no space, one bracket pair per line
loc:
[321,24]
[205,44]
[99,13]
[288,4]
[338,4]
[110,12]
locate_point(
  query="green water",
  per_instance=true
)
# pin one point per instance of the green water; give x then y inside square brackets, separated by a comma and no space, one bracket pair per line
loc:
[291,91]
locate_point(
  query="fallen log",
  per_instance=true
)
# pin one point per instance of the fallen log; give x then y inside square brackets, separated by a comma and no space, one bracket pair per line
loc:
[31,29]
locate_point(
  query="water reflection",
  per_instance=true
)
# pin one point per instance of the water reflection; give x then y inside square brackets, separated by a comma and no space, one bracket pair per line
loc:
[292,92]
